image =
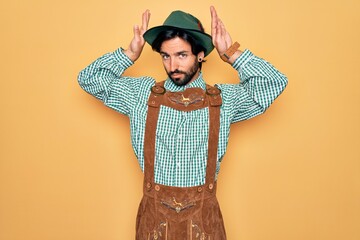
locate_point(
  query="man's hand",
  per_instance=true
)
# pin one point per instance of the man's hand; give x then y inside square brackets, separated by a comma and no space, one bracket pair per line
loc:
[137,43]
[220,37]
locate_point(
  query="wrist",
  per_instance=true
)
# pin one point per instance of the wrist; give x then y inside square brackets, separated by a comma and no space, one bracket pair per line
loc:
[130,54]
[235,56]
[227,56]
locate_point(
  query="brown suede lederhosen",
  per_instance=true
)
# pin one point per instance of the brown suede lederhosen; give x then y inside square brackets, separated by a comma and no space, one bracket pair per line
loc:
[181,213]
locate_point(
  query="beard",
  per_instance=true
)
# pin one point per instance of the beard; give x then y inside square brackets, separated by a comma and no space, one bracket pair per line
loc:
[188,76]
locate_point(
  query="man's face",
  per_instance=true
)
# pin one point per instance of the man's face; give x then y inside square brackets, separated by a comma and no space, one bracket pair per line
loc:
[180,63]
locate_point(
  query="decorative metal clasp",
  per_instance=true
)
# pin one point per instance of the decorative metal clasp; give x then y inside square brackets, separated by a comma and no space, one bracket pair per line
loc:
[185,100]
[179,98]
[176,206]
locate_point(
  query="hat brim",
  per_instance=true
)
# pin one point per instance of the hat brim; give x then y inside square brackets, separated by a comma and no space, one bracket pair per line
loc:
[205,39]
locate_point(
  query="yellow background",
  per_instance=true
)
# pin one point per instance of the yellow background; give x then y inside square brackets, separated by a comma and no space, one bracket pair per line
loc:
[67,169]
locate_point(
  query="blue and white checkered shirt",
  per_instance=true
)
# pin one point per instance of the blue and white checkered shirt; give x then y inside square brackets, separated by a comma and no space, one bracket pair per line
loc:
[182,137]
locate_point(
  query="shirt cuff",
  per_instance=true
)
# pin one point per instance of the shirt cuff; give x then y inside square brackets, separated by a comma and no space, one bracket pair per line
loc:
[122,58]
[245,57]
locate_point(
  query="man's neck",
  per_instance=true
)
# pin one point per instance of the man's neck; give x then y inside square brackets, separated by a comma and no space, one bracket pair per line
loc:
[196,76]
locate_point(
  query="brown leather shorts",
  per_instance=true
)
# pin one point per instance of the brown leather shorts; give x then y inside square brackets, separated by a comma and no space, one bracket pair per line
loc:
[174,213]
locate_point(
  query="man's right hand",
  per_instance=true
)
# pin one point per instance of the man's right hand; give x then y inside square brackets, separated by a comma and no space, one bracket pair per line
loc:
[137,43]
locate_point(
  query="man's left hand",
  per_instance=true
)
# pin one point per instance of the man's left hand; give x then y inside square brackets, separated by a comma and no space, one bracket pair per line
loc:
[220,37]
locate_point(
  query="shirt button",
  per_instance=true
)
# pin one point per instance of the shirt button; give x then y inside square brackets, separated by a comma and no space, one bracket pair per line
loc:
[211,186]
[148,185]
[178,164]
[199,189]
[179,136]
[157,188]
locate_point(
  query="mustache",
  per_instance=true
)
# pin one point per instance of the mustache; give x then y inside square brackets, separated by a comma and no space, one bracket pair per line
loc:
[176,71]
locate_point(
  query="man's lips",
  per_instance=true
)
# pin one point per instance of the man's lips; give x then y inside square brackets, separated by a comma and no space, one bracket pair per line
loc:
[176,75]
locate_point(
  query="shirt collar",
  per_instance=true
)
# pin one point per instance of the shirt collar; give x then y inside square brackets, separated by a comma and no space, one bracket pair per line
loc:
[197,83]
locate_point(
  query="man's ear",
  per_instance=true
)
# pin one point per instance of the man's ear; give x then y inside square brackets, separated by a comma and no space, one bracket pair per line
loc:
[201,56]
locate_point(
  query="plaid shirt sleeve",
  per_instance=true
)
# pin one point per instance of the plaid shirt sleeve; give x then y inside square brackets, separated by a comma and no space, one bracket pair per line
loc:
[260,84]
[103,79]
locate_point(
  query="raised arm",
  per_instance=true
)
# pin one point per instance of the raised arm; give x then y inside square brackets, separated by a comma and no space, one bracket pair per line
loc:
[260,82]
[104,77]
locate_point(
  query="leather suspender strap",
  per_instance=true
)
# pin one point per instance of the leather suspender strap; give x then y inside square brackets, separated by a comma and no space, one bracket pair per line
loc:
[154,102]
[215,102]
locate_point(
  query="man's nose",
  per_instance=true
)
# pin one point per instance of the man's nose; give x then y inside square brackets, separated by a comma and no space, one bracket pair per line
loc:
[173,65]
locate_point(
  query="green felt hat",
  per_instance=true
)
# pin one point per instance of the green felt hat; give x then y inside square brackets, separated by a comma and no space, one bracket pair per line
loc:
[185,22]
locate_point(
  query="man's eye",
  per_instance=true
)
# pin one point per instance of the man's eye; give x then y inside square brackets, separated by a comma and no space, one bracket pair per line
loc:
[183,55]
[165,56]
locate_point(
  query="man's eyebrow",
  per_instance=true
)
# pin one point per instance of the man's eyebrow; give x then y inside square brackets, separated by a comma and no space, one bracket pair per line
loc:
[177,53]
[181,52]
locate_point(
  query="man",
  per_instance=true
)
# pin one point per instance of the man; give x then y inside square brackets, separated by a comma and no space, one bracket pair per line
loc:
[180,127]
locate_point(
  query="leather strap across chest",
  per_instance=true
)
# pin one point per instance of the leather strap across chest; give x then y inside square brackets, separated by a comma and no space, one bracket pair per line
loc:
[189,100]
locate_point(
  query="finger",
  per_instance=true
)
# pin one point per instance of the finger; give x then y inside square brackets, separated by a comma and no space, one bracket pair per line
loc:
[214,16]
[222,28]
[213,20]
[217,26]
[145,20]
[148,14]
[225,34]
[136,32]
[219,29]
[213,12]
[220,35]
[213,33]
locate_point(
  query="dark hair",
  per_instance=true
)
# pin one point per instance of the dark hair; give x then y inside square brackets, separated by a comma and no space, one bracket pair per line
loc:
[196,47]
